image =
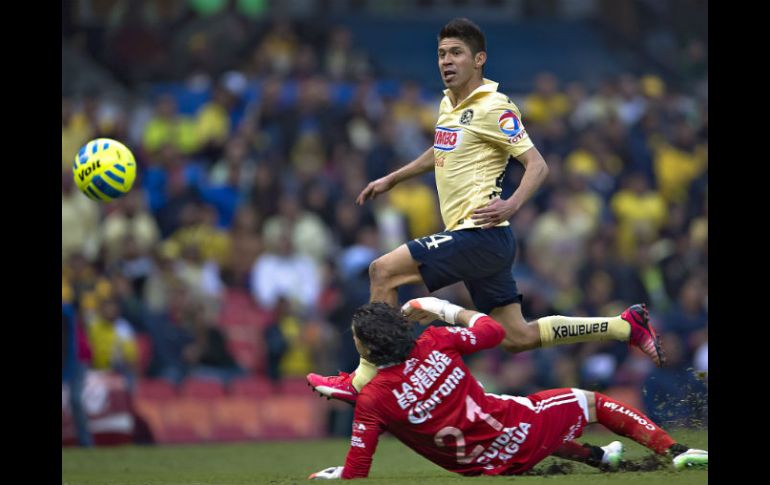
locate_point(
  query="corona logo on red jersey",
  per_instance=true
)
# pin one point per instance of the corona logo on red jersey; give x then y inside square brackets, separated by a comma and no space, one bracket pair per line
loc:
[447,139]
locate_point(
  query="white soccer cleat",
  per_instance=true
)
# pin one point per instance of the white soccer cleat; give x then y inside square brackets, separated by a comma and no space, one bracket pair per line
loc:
[613,455]
[691,458]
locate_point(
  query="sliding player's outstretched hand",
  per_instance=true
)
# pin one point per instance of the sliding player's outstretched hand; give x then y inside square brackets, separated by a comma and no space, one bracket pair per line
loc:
[331,473]
[429,308]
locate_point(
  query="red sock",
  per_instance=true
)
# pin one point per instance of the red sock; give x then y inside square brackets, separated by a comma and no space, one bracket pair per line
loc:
[626,421]
[572,450]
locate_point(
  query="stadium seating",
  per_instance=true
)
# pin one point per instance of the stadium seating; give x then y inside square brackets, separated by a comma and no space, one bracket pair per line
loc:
[155,389]
[202,389]
[251,387]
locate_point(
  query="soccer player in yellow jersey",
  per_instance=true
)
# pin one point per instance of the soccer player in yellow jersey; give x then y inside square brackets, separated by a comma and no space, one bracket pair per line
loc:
[477,130]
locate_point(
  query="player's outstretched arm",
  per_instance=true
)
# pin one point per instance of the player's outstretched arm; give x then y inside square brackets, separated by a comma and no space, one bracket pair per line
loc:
[418,166]
[429,308]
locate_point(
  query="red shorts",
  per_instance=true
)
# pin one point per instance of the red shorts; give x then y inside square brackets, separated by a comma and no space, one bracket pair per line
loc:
[549,418]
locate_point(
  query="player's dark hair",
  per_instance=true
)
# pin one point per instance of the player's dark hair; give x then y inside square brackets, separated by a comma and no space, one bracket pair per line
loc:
[385,332]
[466,31]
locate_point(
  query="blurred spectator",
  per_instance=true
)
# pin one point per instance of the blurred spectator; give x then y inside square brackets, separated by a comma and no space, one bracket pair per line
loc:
[309,235]
[170,337]
[113,341]
[294,360]
[581,198]
[382,156]
[282,271]
[245,244]
[603,104]
[79,221]
[418,204]
[555,137]
[76,131]
[280,46]
[306,63]
[632,105]
[558,238]
[650,279]
[171,187]
[128,217]
[414,120]
[688,314]
[594,161]
[168,127]
[640,213]
[128,294]
[212,123]
[341,61]
[199,231]
[207,356]
[236,168]
[135,264]
[74,370]
[136,46]
[546,102]
[679,162]
[267,190]
[599,258]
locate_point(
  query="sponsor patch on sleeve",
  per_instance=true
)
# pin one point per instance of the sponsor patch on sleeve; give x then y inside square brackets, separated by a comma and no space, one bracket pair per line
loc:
[511,126]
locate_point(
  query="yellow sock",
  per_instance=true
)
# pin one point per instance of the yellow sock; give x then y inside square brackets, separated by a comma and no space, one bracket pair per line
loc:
[558,329]
[365,372]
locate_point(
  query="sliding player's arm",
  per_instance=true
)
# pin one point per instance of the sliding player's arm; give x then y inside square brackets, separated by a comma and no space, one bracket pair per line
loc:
[367,428]
[481,332]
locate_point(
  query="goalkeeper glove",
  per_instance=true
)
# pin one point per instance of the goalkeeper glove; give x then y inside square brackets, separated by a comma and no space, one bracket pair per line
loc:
[432,307]
[331,473]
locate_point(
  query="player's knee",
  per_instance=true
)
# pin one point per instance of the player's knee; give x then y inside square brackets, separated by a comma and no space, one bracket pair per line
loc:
[378,274]
[590,404]
[520,336]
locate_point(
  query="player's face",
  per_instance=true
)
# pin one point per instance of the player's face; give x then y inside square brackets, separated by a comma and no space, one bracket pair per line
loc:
[456,63]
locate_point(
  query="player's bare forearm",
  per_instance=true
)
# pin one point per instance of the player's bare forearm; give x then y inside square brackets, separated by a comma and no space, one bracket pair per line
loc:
[535,173]
[420,165]
[423,163]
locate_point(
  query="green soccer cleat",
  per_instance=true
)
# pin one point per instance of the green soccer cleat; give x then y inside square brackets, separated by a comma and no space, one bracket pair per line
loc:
[691,458]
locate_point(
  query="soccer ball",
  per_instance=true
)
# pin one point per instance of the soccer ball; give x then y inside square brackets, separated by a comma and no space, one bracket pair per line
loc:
[104,169]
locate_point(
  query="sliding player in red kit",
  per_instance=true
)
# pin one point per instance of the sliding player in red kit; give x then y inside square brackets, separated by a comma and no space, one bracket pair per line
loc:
[426,397]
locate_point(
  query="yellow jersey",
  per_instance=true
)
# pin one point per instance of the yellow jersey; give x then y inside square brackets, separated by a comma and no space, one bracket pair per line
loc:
[471,146]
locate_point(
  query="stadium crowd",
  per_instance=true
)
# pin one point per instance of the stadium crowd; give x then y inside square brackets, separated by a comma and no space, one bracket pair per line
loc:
[240,249]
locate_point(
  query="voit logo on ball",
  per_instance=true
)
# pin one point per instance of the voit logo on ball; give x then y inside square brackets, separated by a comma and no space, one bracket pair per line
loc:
[511,126]
[447,139]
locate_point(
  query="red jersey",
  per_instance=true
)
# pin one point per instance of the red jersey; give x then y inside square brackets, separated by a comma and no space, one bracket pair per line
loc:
[433,404]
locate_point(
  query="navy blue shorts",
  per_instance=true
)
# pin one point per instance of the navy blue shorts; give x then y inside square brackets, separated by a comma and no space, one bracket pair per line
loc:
[480,258]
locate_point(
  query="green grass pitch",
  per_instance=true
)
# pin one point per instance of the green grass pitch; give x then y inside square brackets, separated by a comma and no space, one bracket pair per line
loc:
[291,462]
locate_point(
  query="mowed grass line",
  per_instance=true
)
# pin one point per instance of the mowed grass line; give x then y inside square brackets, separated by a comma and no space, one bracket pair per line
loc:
[290,462]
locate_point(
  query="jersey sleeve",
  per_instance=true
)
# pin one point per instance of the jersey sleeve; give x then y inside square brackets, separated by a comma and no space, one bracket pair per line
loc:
[367,427]
[482,333]
[503,127]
